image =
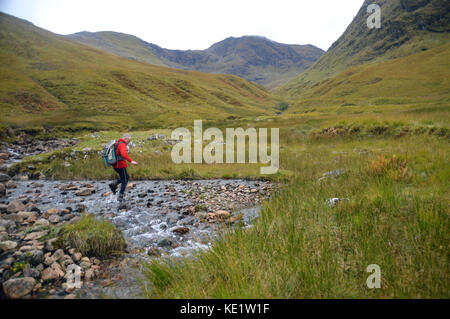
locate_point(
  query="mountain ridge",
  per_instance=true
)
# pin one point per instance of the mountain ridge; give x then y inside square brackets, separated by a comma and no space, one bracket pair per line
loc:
[255,58]
[407,27]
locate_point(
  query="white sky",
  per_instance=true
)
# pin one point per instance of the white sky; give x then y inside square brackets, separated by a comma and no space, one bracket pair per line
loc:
[194,24]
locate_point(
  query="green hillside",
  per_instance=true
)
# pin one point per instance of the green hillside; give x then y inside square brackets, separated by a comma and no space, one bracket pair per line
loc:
[124,45]
[253,58]
[49,81]
[420,79]
[408,27]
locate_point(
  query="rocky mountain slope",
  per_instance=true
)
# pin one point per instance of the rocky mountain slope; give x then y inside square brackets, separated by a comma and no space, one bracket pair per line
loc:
[407,27]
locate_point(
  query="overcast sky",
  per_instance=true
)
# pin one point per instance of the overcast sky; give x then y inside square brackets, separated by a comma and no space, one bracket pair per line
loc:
[194,24]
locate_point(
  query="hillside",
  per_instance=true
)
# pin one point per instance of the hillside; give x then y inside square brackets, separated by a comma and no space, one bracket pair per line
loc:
[52,81]
[408,27]
[256,59]
[124,45]
[418,79]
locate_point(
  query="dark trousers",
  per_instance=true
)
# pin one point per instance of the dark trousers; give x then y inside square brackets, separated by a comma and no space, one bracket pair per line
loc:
[123,179]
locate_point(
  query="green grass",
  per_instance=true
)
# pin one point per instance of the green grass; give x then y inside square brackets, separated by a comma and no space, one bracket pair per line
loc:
[92,237]
[300,247]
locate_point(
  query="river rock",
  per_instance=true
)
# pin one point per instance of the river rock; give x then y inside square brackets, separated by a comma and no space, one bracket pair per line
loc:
[50,212]
[18,287]
[222,214]
[4,156]
[202,216]
[165,242]
[332,202]
[3,208]
[34,257]
[21,216]
[66,261]
[54,219]
[180,230]
[131,186]
[77,256]
[54,272]
[84,192]
[20,177]
[9,225]
[85,265]
[154,252]
[235,218]
[57,255]
[36,235]
[334,173]
[41,222]
[7,262]
[2,189]
[65,211]
[49,260]
[4,177]
[3,236]
[89,275]
[15,206]
[31,272]
[50,244]
[10,184]
[8,245]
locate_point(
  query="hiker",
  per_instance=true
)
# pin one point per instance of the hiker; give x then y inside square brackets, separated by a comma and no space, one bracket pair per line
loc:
[121,166]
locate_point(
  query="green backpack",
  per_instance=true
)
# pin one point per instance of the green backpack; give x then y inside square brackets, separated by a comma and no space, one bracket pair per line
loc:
[109,153]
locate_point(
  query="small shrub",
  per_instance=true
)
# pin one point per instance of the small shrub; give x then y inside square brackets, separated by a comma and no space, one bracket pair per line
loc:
[394,167]
[282,106]
[18,266]
[93,237]
[187,174]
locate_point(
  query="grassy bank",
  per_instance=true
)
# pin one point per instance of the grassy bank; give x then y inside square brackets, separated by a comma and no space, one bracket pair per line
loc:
[393,182]
[154,157]
[396,216]
[297,133]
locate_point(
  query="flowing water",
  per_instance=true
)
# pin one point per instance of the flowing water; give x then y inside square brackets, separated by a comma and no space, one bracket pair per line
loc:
[153,210]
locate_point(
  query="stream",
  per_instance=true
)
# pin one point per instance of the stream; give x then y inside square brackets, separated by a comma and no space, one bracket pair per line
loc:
[154,209]
[150,221]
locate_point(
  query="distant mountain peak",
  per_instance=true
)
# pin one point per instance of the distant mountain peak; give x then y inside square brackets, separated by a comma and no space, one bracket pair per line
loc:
[253,57]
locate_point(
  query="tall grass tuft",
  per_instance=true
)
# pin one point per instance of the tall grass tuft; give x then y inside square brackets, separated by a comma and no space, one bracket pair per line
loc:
[93,237]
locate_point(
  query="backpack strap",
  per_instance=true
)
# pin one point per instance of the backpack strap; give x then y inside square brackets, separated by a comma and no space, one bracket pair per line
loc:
[116,145]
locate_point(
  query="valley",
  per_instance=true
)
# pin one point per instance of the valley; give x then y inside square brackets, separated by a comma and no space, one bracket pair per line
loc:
[363,176]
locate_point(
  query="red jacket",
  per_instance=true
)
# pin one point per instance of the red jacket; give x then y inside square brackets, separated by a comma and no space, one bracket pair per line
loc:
[122,151]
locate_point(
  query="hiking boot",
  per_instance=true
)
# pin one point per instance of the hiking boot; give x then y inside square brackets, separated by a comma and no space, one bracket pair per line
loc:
[113,188]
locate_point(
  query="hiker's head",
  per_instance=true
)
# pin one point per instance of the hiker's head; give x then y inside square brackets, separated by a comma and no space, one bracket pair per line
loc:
[126,137]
